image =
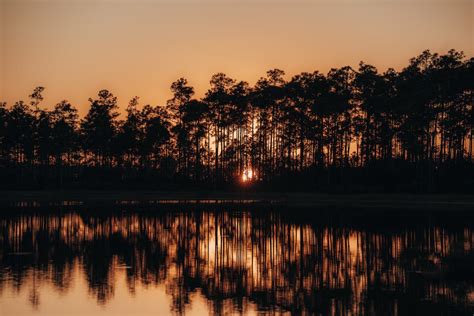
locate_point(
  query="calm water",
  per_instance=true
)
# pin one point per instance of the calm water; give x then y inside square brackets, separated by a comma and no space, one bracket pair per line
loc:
[196,262]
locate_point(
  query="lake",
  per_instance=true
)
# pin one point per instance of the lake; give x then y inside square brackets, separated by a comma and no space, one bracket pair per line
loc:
[228,260]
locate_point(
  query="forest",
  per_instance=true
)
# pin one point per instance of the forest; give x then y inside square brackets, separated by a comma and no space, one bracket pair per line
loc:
[350,130]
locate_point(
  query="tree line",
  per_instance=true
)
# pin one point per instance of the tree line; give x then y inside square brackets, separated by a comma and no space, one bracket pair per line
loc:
[349,129]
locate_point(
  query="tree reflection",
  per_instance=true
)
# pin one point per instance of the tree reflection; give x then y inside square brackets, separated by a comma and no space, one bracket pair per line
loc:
[238,258]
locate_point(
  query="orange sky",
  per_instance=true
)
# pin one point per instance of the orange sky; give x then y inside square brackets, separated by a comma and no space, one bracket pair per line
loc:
[76,47]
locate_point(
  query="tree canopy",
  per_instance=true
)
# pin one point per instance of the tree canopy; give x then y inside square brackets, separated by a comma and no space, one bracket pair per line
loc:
[348,130]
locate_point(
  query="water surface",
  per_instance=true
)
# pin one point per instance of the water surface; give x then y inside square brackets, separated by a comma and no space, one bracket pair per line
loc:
[234,261]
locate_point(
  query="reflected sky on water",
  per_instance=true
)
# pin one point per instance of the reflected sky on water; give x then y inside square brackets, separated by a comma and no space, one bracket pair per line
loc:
[232,262]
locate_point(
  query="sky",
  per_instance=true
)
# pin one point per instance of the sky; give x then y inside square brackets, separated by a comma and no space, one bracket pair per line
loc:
[74,48]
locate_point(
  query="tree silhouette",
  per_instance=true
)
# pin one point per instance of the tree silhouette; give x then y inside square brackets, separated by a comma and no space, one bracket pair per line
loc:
[351,130]
[182,94]
[218,97]
[65,138]
[156,147]
[99,128]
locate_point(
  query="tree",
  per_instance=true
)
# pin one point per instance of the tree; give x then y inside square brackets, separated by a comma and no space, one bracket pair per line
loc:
[99,128]
[194,118]
[64,136]
[130,135]
[155,146]
[182,94]
[218,98]
[4,144]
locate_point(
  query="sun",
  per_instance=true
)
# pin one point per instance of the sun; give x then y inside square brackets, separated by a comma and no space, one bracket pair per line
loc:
[247,175]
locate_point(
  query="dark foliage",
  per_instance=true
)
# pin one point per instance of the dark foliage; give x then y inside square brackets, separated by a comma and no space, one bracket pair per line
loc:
[350,130]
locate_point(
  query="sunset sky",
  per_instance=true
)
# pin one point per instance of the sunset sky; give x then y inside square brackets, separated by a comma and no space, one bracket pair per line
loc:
[76,47]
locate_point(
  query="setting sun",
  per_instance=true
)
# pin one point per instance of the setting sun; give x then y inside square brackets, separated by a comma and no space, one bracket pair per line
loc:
[247,175]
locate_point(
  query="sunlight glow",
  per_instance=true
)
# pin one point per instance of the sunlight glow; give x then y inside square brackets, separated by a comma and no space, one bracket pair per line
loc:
[247,175]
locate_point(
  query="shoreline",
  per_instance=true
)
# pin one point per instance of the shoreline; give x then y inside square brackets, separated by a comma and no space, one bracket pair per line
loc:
[447,202]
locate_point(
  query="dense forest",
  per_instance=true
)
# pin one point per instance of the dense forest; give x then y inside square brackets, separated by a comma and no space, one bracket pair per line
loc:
[351,130]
